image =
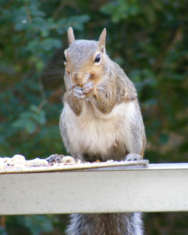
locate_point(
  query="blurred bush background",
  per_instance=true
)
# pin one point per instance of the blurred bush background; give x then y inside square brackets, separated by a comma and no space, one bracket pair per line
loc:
[149,39]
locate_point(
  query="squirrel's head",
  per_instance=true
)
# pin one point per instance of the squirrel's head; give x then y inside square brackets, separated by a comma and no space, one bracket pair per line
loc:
[85,59]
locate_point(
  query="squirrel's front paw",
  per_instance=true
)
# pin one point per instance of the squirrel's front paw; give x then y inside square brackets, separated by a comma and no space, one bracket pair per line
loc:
[88,88]
[78,92]
[133,157]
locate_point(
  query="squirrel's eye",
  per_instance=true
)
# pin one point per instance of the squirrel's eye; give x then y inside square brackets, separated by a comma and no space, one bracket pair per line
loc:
[97,58]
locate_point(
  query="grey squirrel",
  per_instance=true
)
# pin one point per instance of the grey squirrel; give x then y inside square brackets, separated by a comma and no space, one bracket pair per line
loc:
[101,120]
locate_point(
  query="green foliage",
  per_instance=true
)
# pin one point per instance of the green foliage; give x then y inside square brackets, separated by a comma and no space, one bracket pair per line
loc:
[121,10]
[28,120]
[30,35]
[149,39]
[39,223]
[33,225]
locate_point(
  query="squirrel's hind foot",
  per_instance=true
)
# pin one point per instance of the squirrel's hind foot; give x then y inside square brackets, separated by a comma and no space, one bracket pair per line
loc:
[133,157]
[55,158]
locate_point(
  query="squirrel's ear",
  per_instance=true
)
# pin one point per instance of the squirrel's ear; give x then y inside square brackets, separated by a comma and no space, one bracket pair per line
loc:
[70,35]
[102,39]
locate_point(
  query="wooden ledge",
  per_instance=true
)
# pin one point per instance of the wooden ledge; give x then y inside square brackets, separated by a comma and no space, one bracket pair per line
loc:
[156,188]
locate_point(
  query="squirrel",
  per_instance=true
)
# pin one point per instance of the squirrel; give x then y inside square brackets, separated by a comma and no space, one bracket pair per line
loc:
[101,120]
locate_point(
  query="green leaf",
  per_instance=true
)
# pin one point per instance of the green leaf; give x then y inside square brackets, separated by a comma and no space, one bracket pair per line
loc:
[30,126]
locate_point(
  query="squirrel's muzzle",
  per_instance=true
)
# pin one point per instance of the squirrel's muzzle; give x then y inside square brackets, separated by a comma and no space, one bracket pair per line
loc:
[80,78]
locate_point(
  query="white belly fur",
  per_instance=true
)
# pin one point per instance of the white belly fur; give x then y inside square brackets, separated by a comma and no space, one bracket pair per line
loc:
[96,132]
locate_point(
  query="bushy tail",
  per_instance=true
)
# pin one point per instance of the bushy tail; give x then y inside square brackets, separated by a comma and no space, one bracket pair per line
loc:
[105,224]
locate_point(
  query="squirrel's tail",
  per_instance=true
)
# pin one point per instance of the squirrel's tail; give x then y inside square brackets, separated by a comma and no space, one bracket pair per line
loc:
[105,224]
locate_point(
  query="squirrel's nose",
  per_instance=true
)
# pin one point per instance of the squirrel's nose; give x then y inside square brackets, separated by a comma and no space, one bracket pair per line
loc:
[80,78]
[77,78]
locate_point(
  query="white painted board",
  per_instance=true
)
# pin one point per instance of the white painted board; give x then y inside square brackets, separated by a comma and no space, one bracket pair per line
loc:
[158,188]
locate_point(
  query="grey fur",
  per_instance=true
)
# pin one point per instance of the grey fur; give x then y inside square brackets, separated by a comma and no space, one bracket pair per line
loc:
[105,224]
